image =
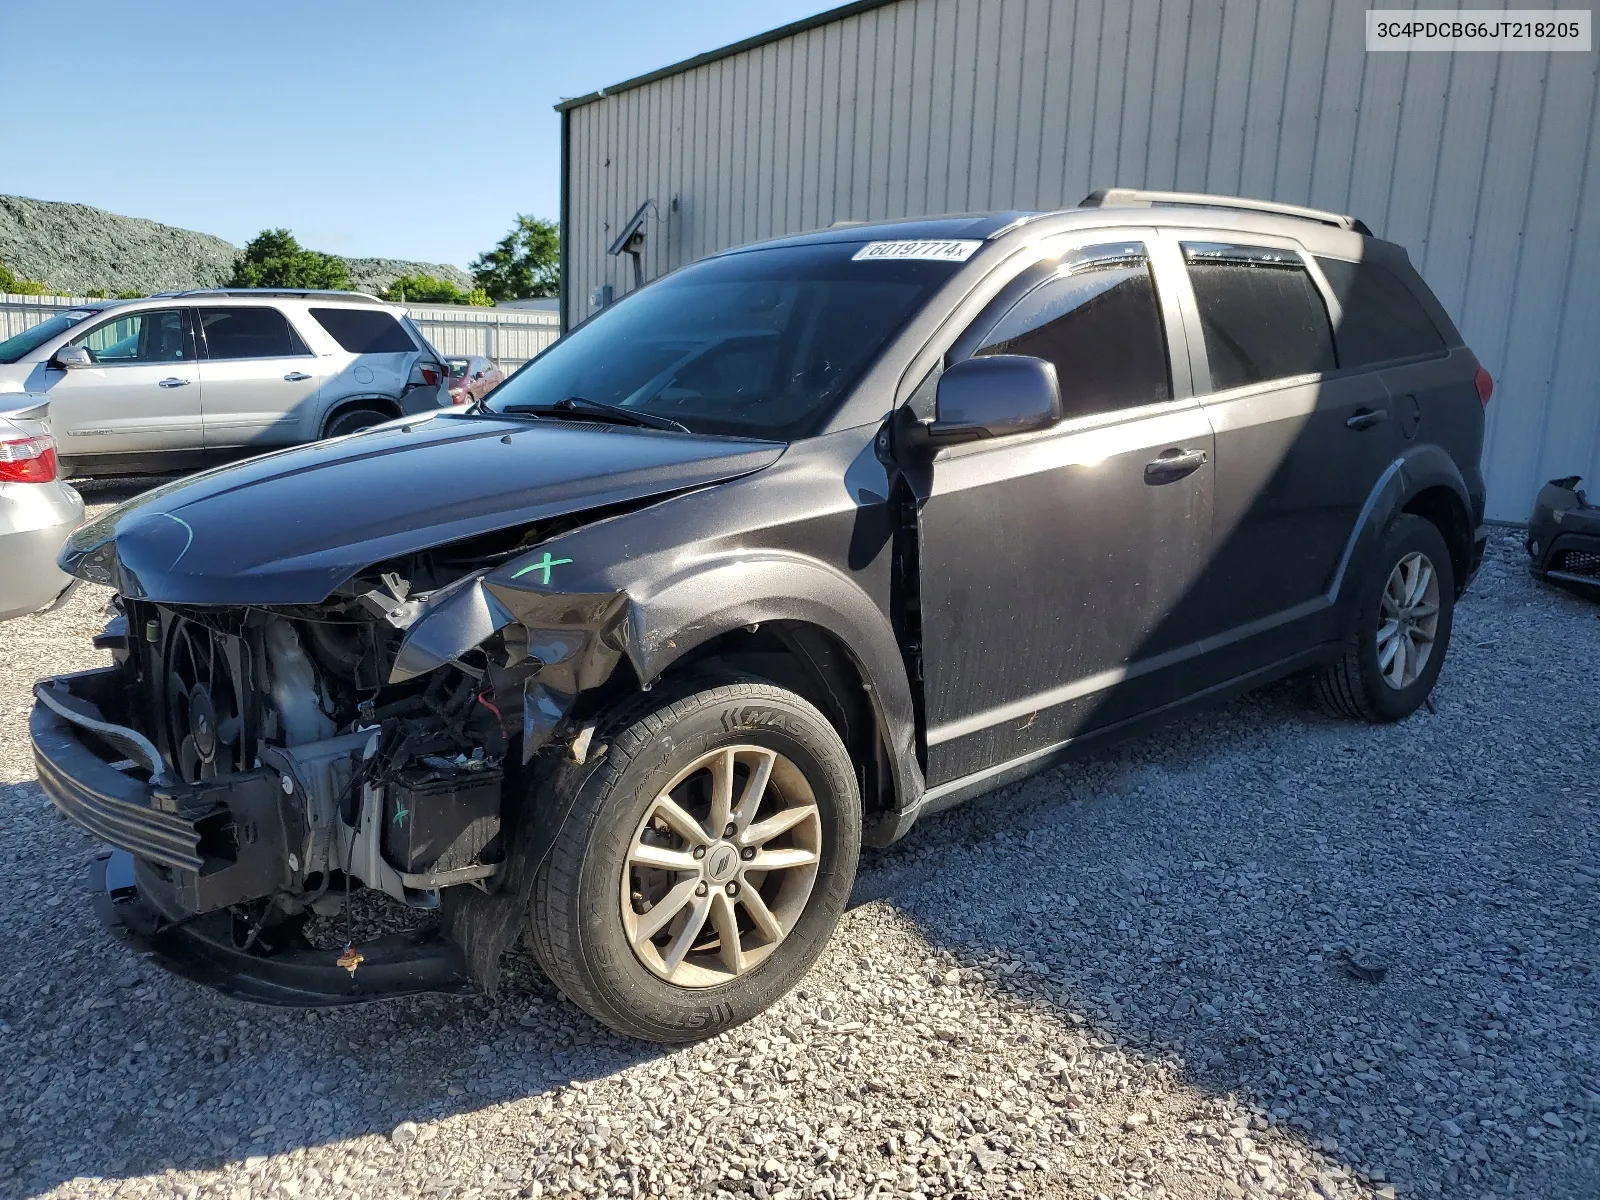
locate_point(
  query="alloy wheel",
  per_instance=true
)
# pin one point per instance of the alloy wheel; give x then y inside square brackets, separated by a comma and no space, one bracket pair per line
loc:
[1408,620]
[721,866]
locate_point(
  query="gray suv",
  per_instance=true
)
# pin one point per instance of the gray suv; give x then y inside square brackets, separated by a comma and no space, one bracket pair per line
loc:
[767,561]
[189,379]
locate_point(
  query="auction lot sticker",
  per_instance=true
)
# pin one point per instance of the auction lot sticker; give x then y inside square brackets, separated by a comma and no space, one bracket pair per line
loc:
[935,250]
[1478,29]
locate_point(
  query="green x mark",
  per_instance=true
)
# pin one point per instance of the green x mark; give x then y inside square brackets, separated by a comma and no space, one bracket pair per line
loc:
[543,565]
[400,815]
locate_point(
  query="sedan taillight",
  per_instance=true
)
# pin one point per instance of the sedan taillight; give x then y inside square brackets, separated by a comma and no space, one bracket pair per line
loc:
[28,460]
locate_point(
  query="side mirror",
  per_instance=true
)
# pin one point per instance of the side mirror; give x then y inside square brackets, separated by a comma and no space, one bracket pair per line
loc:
[70,358]
[993,396]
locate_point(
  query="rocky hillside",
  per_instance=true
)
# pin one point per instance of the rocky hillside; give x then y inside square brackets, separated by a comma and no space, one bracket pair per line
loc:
[75,248]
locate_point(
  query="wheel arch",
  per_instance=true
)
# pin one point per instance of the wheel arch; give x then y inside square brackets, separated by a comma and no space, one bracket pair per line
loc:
[1425,481]
[1447,511]
[775,613]
[345,404]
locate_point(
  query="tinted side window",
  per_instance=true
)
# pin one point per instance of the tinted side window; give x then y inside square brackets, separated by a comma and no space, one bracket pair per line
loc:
[371,332]
[1262,315]
[142,337]
[249,333]
[1098,321]
[1382,319]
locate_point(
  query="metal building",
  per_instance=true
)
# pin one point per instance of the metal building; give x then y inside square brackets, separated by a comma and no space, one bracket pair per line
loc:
[1484,165]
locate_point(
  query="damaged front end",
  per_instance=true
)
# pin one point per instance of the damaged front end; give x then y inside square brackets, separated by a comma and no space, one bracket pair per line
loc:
[263,773]
[1563,540]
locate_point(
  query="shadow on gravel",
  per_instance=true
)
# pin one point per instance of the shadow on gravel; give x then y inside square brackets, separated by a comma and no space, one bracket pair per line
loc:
[1187,896]
[1201,893]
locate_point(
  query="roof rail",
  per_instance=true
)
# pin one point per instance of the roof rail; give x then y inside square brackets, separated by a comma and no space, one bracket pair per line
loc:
[1138,198]
[302,293]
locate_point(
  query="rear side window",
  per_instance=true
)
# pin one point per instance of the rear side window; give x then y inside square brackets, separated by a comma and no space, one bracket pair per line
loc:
[1097,319]
[1261,314]
[364,331]
[249,333]
[1382,319]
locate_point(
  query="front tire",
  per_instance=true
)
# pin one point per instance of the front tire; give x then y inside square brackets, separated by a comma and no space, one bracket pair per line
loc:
[705,862]
[1400,630]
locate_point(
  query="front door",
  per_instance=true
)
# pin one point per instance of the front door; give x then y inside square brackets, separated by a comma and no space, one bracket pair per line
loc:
[261,378]
[1056,567]
[140,395]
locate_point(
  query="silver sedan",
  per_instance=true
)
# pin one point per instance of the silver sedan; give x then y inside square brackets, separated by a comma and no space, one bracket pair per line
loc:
[37,512]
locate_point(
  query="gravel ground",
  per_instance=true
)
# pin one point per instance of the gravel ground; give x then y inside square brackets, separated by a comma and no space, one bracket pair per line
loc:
[1134,976]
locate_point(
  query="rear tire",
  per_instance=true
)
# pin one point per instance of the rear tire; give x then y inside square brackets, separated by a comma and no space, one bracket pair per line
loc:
[355,420]
[1400,630]
[633,905]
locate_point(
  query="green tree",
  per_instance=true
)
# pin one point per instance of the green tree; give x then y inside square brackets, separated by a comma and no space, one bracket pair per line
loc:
[525,264]
[12,284]
[274,259]
[429,289]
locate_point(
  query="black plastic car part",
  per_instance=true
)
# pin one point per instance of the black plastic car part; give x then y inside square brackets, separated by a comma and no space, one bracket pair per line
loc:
[132,902]
[1564,538]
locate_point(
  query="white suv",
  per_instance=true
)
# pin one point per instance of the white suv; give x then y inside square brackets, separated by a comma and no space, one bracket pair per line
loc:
[191,378]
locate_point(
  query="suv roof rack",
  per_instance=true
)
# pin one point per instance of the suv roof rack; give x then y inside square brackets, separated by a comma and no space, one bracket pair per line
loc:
[1139,198]
[331,293]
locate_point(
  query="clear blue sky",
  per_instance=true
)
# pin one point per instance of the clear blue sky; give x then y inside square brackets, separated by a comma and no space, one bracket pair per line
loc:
[394,128]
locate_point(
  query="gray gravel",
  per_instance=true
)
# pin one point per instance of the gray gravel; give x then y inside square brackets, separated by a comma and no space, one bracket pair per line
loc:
[1136,976]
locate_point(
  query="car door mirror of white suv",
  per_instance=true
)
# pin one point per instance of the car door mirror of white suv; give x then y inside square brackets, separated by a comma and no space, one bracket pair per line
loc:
[70,358]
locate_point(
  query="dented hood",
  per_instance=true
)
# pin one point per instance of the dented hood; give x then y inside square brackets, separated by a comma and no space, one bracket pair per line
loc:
[288,528]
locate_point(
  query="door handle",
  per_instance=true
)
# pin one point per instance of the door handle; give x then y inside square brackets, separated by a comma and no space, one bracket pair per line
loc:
[1366,418]
[174,382]
[1173,465]
[296,376]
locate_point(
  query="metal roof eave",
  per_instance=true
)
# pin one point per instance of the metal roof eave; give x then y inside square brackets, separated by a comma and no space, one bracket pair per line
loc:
[710,56]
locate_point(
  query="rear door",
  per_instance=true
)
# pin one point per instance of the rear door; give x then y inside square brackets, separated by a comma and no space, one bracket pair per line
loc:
[1300,443]
[1056,566]
[259,379]
[142,393]
[1383,325]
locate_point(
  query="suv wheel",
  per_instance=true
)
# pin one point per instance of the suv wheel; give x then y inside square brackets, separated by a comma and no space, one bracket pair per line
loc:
[355,420]
[1397,641]
[703,865]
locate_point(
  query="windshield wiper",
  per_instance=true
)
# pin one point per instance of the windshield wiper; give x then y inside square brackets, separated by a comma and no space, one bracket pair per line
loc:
[582,404]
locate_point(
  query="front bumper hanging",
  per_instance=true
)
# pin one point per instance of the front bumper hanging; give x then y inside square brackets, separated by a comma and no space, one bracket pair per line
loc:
[132,902]
[182,853]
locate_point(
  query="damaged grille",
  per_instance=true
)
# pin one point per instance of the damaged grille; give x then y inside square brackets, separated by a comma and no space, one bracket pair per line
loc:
[1579,562]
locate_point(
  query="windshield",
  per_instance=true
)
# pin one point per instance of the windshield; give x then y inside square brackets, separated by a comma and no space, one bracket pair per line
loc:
[29,340]
[458,368]
[759,344]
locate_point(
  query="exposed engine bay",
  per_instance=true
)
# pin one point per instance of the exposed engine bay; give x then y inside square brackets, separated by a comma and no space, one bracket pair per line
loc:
[368,743]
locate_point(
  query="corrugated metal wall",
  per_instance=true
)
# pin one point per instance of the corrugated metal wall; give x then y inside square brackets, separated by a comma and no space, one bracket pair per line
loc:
[1484,165]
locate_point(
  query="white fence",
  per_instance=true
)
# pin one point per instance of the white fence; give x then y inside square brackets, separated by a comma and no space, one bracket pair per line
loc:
[505,336]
